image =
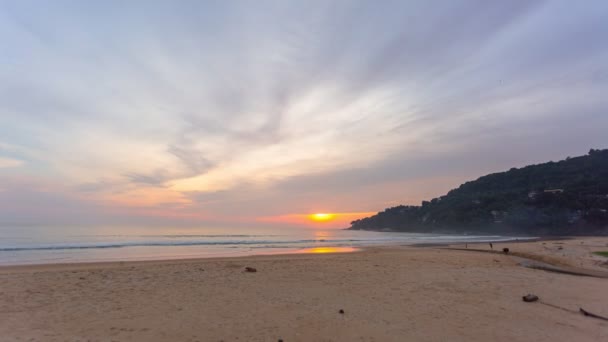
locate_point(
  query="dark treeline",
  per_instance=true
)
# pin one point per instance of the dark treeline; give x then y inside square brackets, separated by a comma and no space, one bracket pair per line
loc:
[569,197]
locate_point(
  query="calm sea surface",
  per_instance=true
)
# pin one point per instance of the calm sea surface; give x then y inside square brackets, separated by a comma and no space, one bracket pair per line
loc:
[37,245]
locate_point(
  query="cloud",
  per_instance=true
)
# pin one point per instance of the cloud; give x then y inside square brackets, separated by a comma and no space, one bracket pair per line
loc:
[27,201]
[230,110]
[191,158]
[9,163]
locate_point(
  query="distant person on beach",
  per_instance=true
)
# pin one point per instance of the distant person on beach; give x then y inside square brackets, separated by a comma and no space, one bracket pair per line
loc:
[491,246]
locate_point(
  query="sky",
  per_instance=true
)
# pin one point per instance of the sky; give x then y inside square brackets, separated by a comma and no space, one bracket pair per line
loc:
[253,113]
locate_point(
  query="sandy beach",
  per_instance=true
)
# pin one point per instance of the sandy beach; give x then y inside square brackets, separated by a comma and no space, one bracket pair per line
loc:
[386,294]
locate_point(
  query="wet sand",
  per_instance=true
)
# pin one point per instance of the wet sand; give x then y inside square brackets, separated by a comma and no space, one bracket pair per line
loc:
[387,294]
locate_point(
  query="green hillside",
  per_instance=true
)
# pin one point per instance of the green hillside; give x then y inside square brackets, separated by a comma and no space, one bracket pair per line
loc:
[569,197]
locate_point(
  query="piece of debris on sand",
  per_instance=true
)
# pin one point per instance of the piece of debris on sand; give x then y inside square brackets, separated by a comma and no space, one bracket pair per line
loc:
[530,298]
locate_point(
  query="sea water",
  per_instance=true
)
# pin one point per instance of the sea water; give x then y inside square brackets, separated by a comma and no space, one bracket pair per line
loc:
[40,245]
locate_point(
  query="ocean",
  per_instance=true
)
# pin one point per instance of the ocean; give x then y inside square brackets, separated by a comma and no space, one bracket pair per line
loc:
[43,245]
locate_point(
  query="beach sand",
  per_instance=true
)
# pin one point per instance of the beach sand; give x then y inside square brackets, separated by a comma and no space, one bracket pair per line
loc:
[387,294]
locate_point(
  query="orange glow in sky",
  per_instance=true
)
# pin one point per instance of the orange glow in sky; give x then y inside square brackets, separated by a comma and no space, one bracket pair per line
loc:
[316,220]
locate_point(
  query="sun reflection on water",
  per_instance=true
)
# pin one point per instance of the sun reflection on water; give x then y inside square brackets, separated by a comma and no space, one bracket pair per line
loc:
[325,250]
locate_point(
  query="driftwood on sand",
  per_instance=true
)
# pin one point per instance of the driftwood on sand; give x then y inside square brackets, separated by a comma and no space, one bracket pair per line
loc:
[587,313]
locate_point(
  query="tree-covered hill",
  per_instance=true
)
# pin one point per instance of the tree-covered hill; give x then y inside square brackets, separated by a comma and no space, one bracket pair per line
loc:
[569,197]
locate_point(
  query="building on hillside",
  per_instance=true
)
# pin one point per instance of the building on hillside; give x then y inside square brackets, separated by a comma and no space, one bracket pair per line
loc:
[553,191]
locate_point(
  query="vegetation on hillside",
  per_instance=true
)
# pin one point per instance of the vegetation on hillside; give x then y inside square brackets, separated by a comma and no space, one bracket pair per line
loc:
[569,197]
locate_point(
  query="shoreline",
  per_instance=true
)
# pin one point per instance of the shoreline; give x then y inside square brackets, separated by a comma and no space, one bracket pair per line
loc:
[100,264]
[528,260]
[299,251]
[130,263]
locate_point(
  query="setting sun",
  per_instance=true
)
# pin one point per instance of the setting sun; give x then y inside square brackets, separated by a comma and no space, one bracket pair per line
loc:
[322,217]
